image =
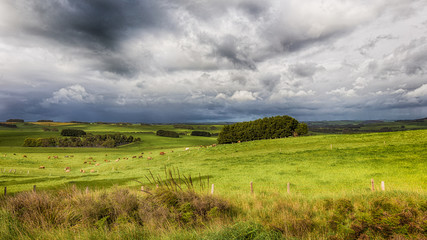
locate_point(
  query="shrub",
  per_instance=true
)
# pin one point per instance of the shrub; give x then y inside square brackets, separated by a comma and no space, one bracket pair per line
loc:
[200,133]
[72,132]
[164,133]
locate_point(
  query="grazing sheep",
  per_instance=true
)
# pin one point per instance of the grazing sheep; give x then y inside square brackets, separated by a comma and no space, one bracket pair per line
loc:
[90,157]
[117,159]
[55,157]
[85,162]
[186,149]
[67,168]
[42,167]
[97,164]
[48,157]
[140,156]
[92,171]
[133,156]
[24,156]
[82,171]
[149,158]
[162,153]
[213,145]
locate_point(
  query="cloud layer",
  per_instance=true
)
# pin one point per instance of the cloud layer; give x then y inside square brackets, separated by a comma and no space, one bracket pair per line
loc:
[187,60]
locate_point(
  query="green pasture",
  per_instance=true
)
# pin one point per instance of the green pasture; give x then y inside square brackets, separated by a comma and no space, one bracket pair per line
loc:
[315,166]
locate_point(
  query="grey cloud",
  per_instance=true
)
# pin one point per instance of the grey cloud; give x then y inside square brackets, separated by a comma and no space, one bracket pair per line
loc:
[232,49]
[254,8]
[373,42]
[270,81]
[307,69]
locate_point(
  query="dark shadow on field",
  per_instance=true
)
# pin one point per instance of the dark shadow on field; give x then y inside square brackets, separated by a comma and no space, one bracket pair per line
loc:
[34,180]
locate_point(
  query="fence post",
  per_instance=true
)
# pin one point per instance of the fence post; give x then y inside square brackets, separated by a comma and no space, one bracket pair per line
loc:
[289,188]
[252,188]
[34,188]
[372,185]
[212,189]
[142,188]
[5,191]
[382,186]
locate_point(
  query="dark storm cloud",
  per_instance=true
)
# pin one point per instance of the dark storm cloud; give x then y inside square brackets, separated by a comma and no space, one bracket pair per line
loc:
[97,24]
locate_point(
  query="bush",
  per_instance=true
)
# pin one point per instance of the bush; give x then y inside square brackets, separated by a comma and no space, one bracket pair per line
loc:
[72,132]
[201,133]
[164,133]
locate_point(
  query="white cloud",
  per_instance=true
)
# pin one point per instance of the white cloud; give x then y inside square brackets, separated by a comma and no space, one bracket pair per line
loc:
[243,96]
[343,92]
[71,94]
[420,92]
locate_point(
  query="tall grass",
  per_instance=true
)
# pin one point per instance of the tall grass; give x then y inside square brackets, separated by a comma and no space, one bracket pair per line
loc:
[122,213]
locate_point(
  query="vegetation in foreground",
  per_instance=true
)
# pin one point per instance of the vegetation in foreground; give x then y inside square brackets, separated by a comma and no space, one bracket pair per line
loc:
[121,213]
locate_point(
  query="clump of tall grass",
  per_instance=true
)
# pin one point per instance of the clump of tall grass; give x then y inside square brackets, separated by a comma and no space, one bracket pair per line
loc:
[376,216]
[74,209]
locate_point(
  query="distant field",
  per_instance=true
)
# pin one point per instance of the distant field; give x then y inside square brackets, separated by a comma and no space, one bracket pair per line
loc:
[327,165]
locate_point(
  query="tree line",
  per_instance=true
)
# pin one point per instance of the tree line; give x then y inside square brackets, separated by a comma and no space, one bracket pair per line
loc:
[89,140]
[265,128]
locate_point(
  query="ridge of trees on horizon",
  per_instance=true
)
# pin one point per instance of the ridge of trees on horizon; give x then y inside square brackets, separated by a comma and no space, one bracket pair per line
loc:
[265,128]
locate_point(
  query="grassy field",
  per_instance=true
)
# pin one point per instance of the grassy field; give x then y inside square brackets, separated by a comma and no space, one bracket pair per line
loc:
[319,167]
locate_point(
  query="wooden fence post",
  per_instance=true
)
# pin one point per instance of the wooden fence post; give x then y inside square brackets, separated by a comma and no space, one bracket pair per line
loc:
[289,188]
[212,189]
[372,185]
[34,188]
[252,188]
[382,186]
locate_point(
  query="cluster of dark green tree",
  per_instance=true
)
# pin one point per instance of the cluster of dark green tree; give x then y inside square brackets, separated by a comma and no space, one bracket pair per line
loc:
[15,120]
[201,133]
[165,133]
[266,128]
[72,133]
[8,125]
[108,141]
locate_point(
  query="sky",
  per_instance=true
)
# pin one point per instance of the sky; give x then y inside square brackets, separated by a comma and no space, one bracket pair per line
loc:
[164,61]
